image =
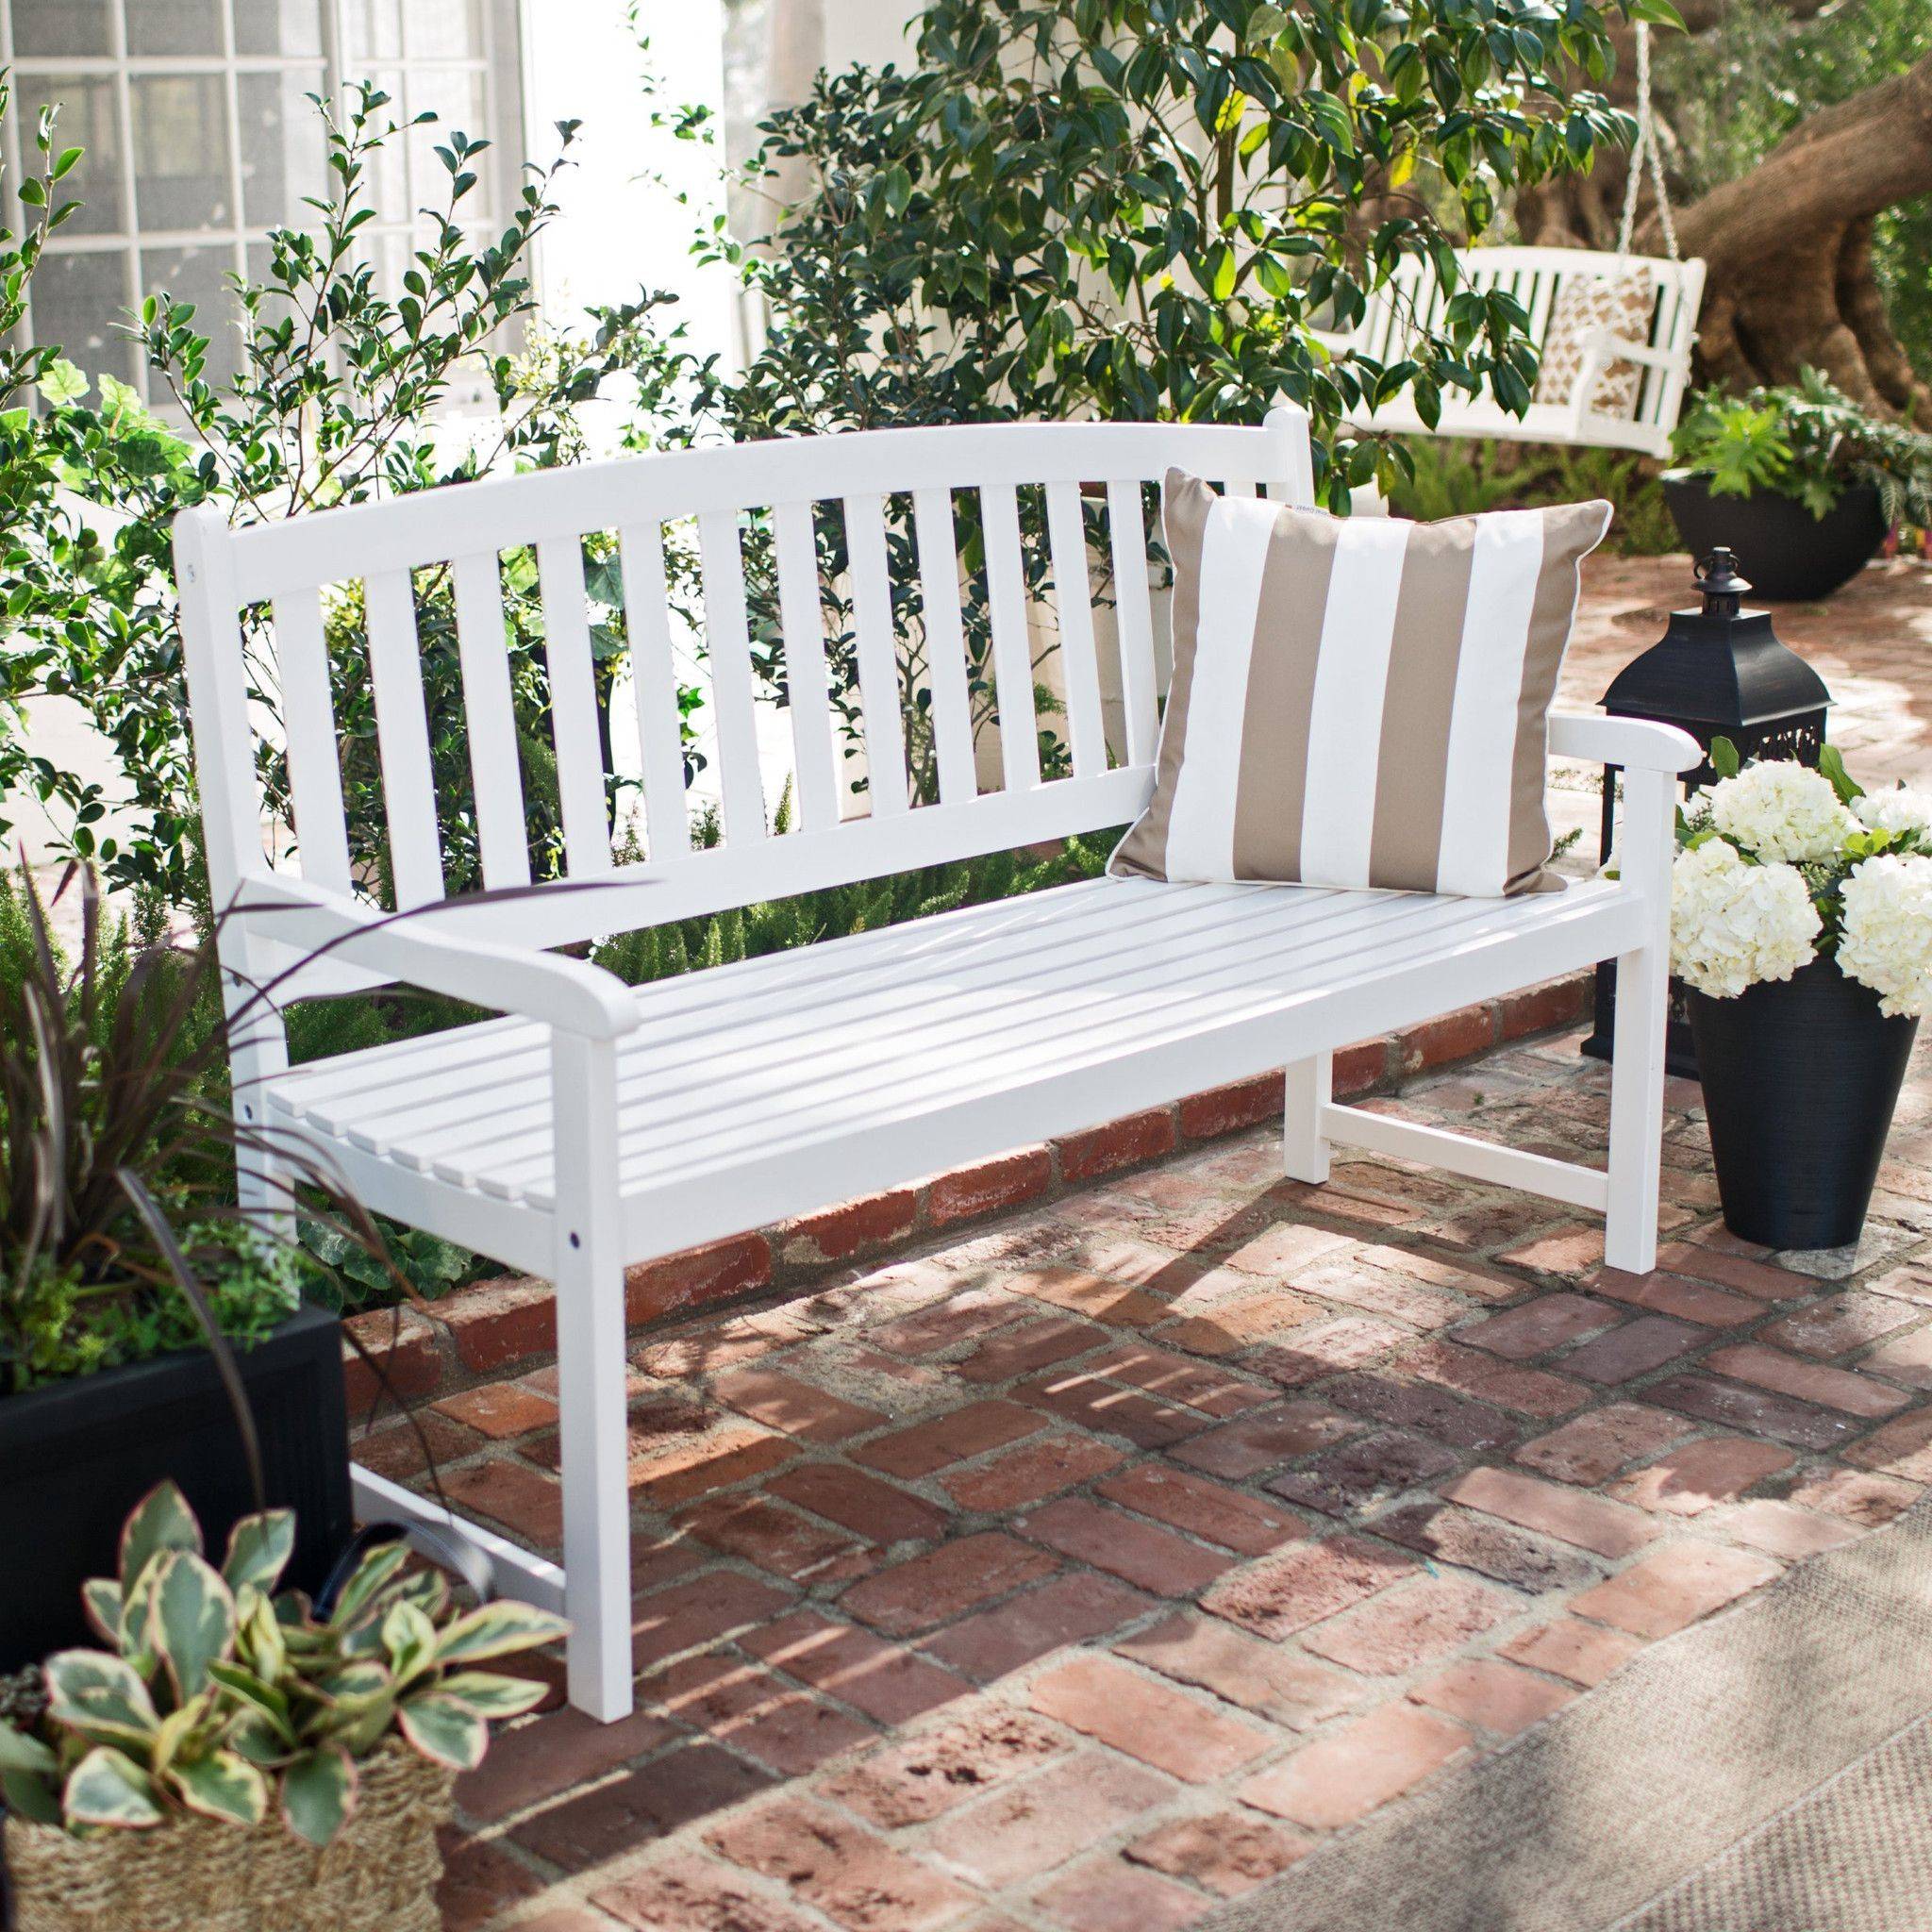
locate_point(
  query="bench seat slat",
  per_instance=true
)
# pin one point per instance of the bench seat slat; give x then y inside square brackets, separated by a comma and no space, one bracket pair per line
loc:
[495,766]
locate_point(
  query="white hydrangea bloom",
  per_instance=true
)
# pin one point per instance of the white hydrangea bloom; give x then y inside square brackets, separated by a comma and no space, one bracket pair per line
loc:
[1734,924]
[1781,810]
[1887,931]
[1901,810]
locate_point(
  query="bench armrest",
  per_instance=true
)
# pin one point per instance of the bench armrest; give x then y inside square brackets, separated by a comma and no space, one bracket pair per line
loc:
[1636,743]
[572,995]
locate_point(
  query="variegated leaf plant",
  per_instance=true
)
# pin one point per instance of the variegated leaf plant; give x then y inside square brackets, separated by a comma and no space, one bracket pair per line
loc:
[220,1698]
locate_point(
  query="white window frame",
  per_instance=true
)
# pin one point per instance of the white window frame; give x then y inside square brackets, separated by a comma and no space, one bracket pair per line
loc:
[499,67]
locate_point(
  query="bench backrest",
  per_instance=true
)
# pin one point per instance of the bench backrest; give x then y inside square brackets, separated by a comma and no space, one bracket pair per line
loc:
[284,573]
[1535,277]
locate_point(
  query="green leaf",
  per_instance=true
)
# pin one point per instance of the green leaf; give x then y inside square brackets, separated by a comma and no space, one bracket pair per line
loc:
[100,1596]
[222,1786]
[193,1620]
[492,1695]
[19,1752]
[63,382]
[372,1576]
[1724,757]
[409,1638]
[1831,761]
[104,1788]
[35,1799]
[258,1550]
[161,1519]
[498,1629]
[99,1696]
[444,1730]
[263,1699]
[319,1793]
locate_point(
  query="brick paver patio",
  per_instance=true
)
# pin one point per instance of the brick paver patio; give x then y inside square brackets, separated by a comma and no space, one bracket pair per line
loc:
[1087,1565]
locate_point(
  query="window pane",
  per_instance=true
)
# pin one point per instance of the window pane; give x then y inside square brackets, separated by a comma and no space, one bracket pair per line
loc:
[457,101]
[385,185]
[61,27]
[445,30]
[173,26]
[277,26]
[78,299]
[87,121]
[372,31]
[281,148]
[202,276]
[180,151]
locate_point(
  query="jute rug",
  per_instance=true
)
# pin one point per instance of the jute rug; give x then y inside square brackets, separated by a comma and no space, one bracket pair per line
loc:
[1769,1770]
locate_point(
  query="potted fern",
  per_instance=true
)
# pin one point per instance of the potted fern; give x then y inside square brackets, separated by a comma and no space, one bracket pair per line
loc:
[239,1761]
[1798,481]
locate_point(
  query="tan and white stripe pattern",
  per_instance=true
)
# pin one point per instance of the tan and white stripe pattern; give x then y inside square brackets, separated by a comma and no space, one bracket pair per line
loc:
[1360,701]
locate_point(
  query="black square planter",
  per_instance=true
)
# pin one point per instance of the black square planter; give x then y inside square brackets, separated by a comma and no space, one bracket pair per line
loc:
[76,1456]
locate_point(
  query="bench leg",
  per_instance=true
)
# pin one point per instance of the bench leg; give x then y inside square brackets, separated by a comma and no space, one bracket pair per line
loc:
[592,1375]
[1304,1146]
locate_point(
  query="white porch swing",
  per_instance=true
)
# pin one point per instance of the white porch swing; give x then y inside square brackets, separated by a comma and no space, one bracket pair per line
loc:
[1614,332]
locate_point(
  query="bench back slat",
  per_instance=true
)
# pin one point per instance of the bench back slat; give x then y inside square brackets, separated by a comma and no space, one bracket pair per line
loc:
[1001,525]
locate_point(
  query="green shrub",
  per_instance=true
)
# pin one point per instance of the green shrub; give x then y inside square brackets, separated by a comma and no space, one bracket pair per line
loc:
[1464,476]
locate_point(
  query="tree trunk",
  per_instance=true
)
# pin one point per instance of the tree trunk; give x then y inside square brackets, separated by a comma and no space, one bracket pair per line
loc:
[1788,243]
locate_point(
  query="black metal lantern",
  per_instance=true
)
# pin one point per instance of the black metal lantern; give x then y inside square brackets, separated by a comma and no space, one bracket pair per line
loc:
[1720,672]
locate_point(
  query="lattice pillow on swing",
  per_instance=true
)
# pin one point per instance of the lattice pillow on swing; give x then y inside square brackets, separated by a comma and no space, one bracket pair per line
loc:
[1622,305]
[1360,701]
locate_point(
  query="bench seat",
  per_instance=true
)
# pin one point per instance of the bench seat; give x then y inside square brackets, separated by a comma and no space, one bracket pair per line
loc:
[778,1083]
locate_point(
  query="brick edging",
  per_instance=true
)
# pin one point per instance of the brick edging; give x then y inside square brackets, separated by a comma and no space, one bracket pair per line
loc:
[495,1328]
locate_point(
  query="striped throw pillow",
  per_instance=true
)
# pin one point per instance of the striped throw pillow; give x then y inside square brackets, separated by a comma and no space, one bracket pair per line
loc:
[1360,701]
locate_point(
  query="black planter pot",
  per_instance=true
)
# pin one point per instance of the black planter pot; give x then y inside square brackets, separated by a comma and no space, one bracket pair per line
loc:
[1800,1078]
[1786,551]
[76,1456]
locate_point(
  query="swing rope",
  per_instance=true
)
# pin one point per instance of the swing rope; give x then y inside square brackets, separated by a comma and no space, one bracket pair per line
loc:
[1645,148]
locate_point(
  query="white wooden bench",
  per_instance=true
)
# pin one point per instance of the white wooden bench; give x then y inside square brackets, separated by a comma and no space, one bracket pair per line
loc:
[1414,297]
[598,1126]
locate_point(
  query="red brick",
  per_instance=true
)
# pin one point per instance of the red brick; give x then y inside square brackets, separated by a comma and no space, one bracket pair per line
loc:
[1106,1895]
[1566,1514]
[521,1498]
[1318,1349]
[1564,1251]
[1734,1405]
[1537,1008]
[1357,1068]
[1119,1143]
[701,1610]
[1584,1653]
[1905,1358]
[1637,1348]
[986,1188]
[924,1777]
[1758,1279]
[1286,1593]
[1028,1828]
[883,1680]
[947,1322]
[1346,1775]
[1028,1346]
[1787,1375]
[1671,1295]
[952,1438]
[730,1453]
[1516,1557]
[1373,1279]
[755,1710]
[1529,1392]
[529,1762]
[403,1450]
[1676,1587]
[1207,1387]
[1287,1248]
[686,1893]
[1268,1678]
[1068,1610]
[1694,1477]
[494,1323]
[1080,1395]
[1533,1328]
[1417,1406]
[945,1582]
[1782,1529]
[403,1348]
[860,1502]
[1228,1852]
[1143,1554]
[480,1881]
[794,1408]
[657,1798]
[854,1227]
[501,1409]
[1365,1472]
[1082,1292]
[1857,1496]
[1596,1445]
[847,1872]
[697,1278]
[1160,1725]
[1414,1624]
[1209,1510]
[774,1538]
[1496,1697]
[1227,1110]
[1229,1327]
[1838,1323]
[1033,1470]
[1264,1438]
[1900,1448]
[1454,1037]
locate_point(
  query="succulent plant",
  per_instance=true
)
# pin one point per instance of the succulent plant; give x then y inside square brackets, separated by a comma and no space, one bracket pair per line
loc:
[220,1697]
